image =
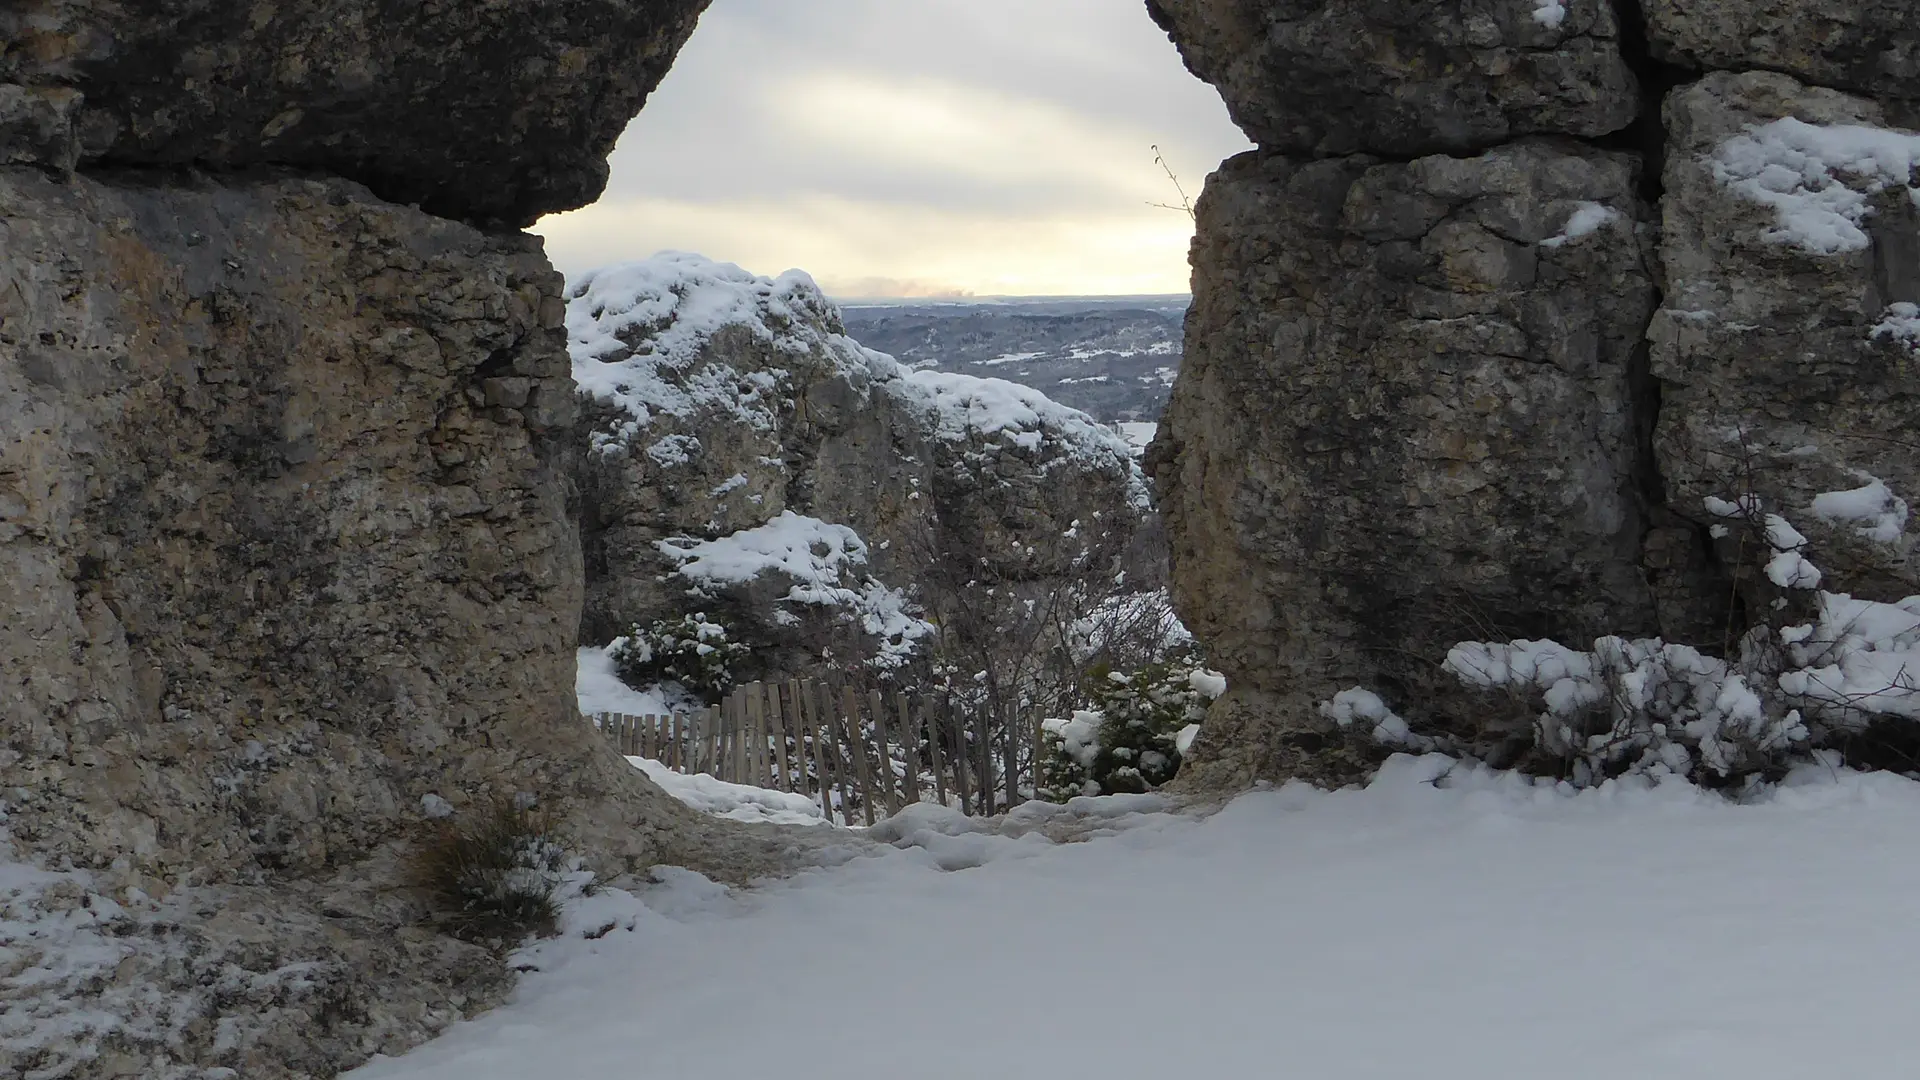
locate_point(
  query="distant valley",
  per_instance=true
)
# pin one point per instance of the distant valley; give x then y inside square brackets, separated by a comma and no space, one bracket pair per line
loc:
[1111,357]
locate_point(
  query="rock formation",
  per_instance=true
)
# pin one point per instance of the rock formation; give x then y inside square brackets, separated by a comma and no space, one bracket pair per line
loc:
[715,402]
[1430,399]
[285,544]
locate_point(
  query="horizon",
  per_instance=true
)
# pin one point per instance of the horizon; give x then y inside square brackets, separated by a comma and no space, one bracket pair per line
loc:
[1014,160]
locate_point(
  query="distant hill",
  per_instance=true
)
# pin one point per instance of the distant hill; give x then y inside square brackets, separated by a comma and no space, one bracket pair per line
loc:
[1112,357]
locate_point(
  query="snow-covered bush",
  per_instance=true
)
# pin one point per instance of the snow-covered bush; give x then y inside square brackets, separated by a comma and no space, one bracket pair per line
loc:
[693,650]
[1816,671]
[494,872]
[1132,736]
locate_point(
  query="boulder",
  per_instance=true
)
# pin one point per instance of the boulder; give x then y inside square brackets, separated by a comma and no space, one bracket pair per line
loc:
[715,403]
[488,112]
[1407,77]
[1870,46]
[1788,340]
[277,579]
[1408,416]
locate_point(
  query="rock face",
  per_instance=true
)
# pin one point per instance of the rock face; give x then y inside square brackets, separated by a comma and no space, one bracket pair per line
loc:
[495,112]
[285,537]
[715,401]
[1449,349]
[1489,396]
[1405,77]
[1786,358]
[1872,46]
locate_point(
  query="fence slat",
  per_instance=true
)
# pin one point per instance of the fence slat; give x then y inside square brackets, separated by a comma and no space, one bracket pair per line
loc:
[884,767]
[956,729]
[810,720]
[984,781]
[909,747]
[936,754]
[779,725]
[754,703]
[835,757]
[737,760]
[856,734]
[1010,757]
[670,725]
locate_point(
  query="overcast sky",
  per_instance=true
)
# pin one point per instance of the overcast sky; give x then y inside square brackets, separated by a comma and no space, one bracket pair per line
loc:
[915,147]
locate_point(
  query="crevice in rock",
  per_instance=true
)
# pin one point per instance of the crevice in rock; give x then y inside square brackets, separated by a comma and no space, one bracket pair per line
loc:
[1647,135]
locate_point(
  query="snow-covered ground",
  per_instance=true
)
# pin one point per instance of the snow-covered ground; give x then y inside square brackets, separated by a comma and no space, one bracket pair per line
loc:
[736,802]
[1474,928]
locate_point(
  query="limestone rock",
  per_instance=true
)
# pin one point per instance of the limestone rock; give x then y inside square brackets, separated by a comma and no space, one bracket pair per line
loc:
[274,566]
[1787,344]
[1872,46]
[715,401]
[1406,77]
[1406,418]
[487,112]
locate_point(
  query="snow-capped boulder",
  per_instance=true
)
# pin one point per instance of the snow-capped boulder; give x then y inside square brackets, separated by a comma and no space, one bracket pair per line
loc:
[723,412]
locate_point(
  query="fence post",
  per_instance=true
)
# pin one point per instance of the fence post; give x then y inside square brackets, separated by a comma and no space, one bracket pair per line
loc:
[857,736]
[843,780]
[1010,755]
[985,778]
[779,725]
[885,765]
[956,728]
[936,753]
[755,705]
[909,747]
[670,728]
[738,759]
[807,693]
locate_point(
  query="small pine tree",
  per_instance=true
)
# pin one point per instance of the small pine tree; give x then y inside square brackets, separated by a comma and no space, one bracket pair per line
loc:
[1126,741]
[692,650]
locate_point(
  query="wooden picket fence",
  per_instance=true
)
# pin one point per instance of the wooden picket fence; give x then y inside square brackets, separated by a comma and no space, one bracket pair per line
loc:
[853,751]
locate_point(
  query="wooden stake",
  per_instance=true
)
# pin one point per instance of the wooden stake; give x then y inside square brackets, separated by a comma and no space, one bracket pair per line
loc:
[857,735]
[780,725]
[884,767]
[808,697]
[909,747]
[936,753]
[755,705]
[836,755]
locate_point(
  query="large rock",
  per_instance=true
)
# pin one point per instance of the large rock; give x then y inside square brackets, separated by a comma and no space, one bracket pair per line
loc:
[497,112]
[1406,77]
[284,549]
[716,401]
[1407,417]
[1785,347]
[1871,46]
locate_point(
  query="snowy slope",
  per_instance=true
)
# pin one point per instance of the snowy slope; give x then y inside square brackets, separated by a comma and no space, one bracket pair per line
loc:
[1482,930]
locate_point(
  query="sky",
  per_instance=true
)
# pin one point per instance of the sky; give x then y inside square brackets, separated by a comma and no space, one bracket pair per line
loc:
[916,148]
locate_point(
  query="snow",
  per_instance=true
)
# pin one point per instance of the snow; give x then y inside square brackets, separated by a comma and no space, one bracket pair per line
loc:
[824,562]
[1901,323]
[1588,218]
[599,690]
[1802,172]
[1861,657]
[636,332]
[736,802]
[1873,509]
[1444,922]
[964,407]
[1079,736]
[1139,435]
[1210,684]
[1550,13]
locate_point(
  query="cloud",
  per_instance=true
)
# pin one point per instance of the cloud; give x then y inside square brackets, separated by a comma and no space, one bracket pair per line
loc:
[986,146]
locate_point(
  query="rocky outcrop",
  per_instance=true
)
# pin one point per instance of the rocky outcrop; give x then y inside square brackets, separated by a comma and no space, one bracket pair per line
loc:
[1404,77]
[1446,350]
[495,112]
[1785,349]
[287,561]
[1510,393]
[1870,46]
[715,402]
